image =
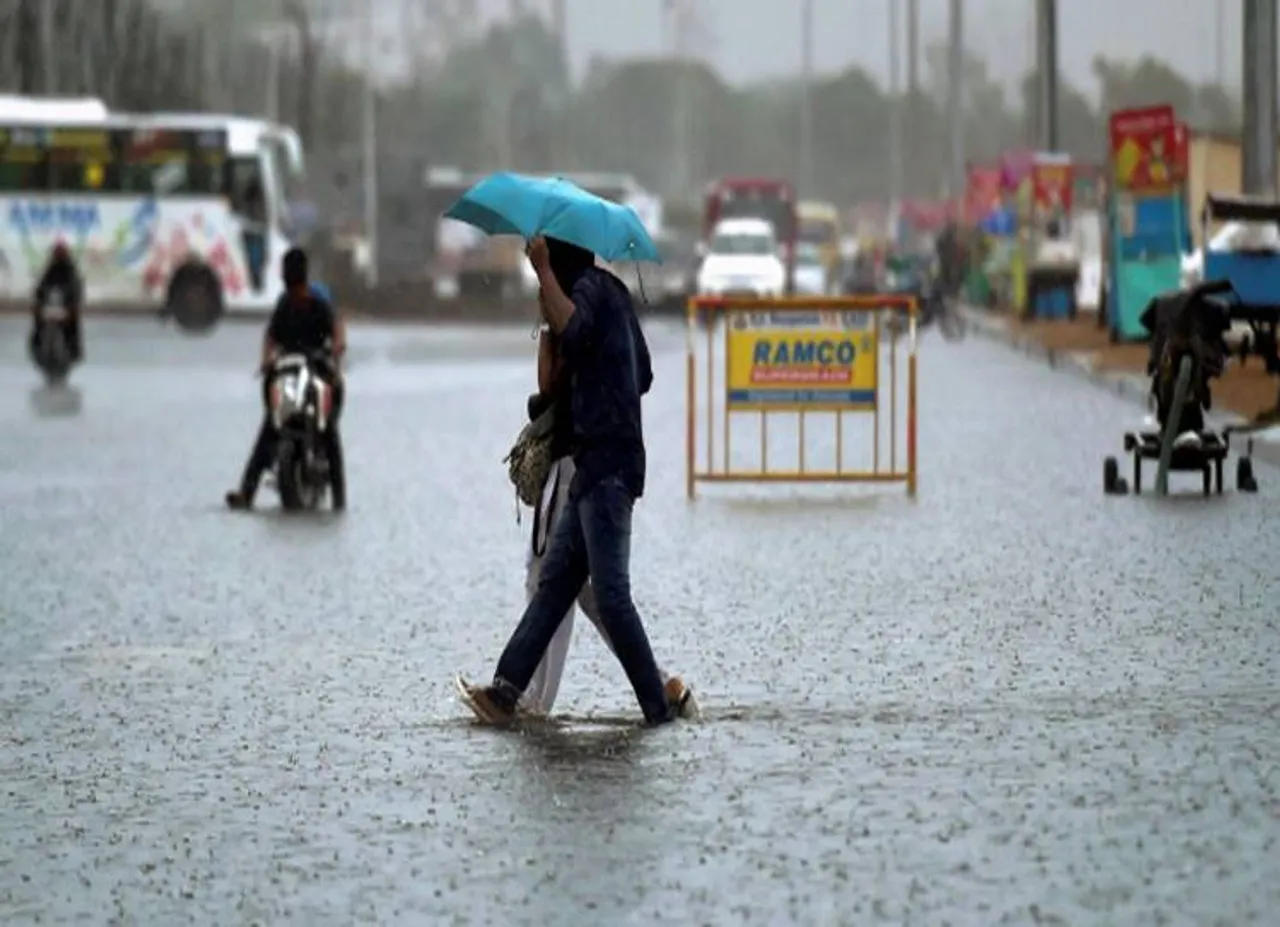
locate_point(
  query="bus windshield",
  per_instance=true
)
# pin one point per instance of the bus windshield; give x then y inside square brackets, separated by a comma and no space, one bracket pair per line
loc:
[817,231]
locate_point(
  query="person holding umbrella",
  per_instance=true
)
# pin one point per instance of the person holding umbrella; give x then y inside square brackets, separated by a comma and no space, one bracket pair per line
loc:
[590,312]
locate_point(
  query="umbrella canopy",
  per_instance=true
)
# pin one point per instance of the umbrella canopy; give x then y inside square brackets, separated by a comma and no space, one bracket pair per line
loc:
[516,204]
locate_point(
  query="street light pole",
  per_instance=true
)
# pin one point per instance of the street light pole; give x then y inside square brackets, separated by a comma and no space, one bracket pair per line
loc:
[955,100]
[1047,74]
[895,120]
[1258,149]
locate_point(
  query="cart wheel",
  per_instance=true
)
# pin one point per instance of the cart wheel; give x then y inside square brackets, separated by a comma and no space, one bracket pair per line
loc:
[1245,481]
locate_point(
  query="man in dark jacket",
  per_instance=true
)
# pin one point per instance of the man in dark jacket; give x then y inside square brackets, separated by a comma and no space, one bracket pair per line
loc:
[303,322]
[607,360]
[61,277]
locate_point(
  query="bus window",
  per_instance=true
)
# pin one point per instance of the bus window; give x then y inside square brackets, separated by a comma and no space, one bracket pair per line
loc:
[22,176]
[161,162]
[816,231]
[175,177]
[288,184]
[81,160]
[75,176]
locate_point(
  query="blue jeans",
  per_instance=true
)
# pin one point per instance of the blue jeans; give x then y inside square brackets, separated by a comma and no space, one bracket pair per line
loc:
[591,538]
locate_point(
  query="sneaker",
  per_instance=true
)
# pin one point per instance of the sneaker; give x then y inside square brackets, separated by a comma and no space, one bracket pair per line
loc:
[681,699]
[239,501]
[493,704]
[1188,439]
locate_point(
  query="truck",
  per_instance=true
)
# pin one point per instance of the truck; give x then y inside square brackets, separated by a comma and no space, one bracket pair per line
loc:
[771,199]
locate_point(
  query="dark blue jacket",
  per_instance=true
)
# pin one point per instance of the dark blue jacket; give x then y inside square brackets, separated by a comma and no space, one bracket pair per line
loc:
[609,368]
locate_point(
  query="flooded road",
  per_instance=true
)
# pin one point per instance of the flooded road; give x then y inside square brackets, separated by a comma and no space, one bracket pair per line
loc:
[1013,701]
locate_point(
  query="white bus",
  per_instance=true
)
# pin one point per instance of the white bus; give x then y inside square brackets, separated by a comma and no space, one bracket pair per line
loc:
[185,212]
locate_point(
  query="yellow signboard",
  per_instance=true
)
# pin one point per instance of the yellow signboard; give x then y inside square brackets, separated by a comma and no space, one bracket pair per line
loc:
[802,361]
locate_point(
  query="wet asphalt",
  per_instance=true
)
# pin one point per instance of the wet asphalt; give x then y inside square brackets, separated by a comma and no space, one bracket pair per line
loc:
[1011,701]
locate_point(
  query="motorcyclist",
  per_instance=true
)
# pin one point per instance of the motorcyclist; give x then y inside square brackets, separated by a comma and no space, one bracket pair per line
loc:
[303,322]
[62,276]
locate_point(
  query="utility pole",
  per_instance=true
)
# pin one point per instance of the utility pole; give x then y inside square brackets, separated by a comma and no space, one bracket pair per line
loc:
[370,159]
[895,120]
[1047,74]
[913,47]
[956,101]
[678,19]
[806,101]
[1220,44]
[1258,149]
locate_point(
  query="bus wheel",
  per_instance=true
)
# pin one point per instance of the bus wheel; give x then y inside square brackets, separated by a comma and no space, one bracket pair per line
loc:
[194,299]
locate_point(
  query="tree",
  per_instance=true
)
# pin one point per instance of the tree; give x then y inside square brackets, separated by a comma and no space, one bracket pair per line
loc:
[1146,82]
[1080,126]
[501,97]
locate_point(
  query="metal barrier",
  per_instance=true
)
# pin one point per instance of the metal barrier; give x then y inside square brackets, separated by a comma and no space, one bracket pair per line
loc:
[813,361]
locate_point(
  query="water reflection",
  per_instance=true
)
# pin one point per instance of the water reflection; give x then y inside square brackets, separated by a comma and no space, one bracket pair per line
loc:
[56,400]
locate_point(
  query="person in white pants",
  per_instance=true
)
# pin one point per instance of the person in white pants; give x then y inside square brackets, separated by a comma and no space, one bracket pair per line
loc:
[540,696]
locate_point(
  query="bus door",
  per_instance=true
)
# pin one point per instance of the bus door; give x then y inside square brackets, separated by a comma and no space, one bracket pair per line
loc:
[254,199]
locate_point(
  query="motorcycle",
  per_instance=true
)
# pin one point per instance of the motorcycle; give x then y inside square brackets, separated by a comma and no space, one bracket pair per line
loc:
[301,402]
[50,349]
[932,306]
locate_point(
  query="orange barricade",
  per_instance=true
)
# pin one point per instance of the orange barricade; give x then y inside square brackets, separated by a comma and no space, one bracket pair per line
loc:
[811,364]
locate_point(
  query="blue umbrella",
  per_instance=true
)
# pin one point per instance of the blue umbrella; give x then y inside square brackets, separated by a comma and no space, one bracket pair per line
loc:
[515,204]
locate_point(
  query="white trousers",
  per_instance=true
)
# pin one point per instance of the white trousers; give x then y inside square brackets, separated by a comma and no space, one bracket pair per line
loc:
[543,688]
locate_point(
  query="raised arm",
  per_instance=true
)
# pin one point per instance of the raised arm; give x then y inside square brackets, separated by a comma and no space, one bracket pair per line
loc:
[270,340]
[550,363]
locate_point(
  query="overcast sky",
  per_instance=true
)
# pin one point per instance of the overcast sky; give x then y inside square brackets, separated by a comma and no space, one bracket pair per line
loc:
[760,38]
[748,40]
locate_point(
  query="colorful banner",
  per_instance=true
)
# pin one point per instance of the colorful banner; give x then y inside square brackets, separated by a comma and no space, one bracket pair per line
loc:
[1052,184]
[1148,149]
[982,194]
[1015,166]
[802,361]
